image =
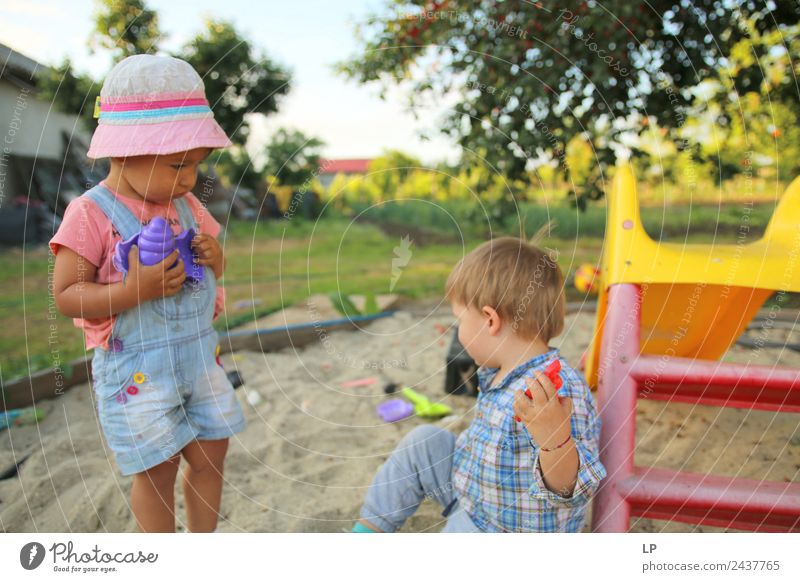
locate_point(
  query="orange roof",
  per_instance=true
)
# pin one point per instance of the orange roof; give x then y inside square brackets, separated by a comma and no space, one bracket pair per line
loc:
[354,166]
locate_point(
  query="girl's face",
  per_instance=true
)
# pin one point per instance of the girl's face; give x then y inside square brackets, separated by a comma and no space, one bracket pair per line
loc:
[158,178]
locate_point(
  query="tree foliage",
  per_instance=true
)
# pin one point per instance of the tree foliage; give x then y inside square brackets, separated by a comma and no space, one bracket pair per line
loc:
[292,157]
[125,27]
[531,77]
[237,169]
[239,81]
[389,171]
[757,101]
[71,92]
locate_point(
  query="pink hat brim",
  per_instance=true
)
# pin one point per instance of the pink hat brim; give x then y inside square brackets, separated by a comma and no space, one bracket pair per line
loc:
[169,137]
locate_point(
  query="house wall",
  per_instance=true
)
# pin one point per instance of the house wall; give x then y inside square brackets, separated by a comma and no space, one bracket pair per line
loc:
[32,126]
[29,127]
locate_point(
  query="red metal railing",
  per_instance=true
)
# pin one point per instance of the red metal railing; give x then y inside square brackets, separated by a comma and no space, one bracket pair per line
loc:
[654,493]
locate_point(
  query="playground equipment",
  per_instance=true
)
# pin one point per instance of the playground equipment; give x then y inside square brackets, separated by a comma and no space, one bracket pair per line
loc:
[666,313]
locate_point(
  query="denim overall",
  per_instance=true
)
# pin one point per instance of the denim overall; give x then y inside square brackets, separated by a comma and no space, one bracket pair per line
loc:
[160,384]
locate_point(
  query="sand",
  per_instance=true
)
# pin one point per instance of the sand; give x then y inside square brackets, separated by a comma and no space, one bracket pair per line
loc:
[312,446]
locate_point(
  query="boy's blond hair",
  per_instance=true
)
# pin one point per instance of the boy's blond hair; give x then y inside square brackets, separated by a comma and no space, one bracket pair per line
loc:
[518,280]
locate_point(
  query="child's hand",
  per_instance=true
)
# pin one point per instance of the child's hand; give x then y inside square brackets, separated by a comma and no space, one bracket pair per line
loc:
[546,415]
[151,282]
[208,252]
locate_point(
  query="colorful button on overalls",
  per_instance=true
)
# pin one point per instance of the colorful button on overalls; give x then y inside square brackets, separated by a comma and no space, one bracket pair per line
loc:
[159,385]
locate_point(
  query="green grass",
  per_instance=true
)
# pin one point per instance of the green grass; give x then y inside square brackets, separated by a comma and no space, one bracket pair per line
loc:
[279,263]
[283,262]
[454,219]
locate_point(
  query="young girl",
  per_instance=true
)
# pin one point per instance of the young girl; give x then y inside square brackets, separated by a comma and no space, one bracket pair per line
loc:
[160,391]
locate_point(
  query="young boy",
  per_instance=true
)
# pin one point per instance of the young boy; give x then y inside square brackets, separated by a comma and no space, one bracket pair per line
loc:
[537,474]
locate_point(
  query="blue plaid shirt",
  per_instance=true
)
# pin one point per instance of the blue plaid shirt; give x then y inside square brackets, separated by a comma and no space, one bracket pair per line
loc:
[496,473]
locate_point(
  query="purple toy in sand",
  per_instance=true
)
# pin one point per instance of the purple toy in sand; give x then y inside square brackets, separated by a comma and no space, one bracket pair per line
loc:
[156,242]
[394,410]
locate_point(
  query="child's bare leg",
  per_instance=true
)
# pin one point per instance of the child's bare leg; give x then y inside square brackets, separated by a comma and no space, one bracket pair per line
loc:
[202,483]
[153,497]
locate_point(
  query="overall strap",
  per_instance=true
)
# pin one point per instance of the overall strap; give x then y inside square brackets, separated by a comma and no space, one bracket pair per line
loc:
[185,214]
[120,216]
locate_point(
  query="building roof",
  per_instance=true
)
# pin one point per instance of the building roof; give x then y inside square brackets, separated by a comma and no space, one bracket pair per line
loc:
[18,68]
[352,166]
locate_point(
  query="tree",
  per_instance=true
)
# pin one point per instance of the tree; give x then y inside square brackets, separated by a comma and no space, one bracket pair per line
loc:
[126,27]
[531,76]
[579,159]
[292,157]
[756,100]
[388,171]
[238,81]
[70,92]
[235,165]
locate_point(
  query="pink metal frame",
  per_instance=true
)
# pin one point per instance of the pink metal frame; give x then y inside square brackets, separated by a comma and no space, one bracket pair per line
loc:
[628,490]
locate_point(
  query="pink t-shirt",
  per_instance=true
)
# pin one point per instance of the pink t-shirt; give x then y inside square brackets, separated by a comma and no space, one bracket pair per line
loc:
[88,231]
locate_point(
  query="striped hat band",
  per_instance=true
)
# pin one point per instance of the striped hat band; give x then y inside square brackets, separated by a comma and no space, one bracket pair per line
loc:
[136,112]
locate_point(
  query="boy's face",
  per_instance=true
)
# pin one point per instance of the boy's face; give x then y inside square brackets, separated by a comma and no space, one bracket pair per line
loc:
[159,178]
[474,334]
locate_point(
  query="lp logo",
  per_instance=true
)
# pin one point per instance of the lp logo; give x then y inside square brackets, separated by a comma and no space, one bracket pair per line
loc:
[31,555]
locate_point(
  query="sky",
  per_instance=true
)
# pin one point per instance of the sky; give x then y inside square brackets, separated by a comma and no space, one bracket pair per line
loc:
[307,36]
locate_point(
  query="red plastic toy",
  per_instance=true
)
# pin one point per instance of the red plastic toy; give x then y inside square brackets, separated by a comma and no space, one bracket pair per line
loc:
[552,371]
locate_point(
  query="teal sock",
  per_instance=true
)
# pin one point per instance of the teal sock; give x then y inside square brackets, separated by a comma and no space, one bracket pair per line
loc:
[361,528]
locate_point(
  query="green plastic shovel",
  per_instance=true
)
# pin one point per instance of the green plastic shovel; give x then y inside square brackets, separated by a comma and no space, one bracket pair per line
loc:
[424,407]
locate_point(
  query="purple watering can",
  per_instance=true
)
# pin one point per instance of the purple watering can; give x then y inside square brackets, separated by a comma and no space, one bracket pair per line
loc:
[156,242]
